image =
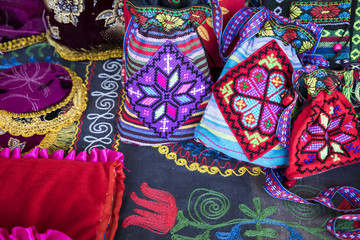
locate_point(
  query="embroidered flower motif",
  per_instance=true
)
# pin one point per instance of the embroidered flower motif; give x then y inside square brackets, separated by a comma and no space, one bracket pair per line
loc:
[325,11]
[327,138]
[197,16]
[113,17]
[67,11]
[290,35]
[15,143]
[267,30]
[305,46]
[169,22]
[295,12]
[161,214]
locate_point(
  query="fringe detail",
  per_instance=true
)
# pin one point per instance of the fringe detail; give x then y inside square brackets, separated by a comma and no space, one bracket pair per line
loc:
[63,139]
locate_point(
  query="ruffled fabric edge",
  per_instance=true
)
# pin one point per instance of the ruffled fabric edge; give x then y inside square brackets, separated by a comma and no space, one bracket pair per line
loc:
[30,233]
[96,155]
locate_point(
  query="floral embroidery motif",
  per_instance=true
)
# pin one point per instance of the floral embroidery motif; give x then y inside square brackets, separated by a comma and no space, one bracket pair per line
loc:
[167,90]
[67,11]
[168,19]
[15,143]
[325,11]
[169,22]
[160,215]
[299,38]
[206,210]
[113,17]
[324,136]
[249,97]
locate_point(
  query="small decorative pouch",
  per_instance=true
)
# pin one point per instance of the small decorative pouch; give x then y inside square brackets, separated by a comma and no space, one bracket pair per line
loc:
[325,134]
[78,195]
[167,81]
[21,24]
[243,112]
[85,29]
[39,103]
[334,17]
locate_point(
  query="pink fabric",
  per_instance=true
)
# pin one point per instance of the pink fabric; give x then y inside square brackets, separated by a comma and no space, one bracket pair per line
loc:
[96,155]
[30,233]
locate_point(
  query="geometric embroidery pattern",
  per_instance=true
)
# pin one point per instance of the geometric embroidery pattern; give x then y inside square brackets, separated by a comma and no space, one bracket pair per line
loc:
[327,136]
[249,97]
[167,90]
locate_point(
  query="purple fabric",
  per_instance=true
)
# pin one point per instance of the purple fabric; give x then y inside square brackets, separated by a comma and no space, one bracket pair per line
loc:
[33,87]
[25,143]
[20,18]
[167,90]
[30,233]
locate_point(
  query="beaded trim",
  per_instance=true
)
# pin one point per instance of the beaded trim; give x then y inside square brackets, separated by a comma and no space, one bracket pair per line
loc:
[29,124]
[21,42]
[74,55]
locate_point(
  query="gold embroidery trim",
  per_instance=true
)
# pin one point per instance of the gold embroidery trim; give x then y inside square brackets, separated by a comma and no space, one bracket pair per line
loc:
[22,42]
[10,123]
[73,55]
[255,171]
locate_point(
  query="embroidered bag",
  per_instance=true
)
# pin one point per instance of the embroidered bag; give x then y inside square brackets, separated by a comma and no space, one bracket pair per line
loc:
[325,134]
[39,105]
[167,79]
[242,115]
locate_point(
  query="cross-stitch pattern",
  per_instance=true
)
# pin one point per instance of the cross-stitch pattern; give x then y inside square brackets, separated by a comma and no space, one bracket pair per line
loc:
[249,97]
[325,136]
[167,90]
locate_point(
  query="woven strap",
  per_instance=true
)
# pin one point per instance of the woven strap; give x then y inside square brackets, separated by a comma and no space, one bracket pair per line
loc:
[247,22]
[274,187]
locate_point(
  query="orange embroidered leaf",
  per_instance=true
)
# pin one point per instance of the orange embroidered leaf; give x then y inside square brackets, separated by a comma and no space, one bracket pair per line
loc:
[224,10]
[203,33]
[209,22]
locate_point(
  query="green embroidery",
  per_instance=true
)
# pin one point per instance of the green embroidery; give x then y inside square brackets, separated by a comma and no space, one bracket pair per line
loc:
[259,77]
[270,62]
[268,123]
[227,91]
[205,206]
[244,85]
[356,36]
[255,139]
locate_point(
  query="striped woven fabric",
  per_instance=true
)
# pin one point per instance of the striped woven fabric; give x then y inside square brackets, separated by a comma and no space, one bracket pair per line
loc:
[143,47]
[213,129]
[334,16]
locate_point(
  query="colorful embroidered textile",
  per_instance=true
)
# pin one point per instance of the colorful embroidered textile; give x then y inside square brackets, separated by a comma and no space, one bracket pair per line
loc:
[167,90]
[86,30]
[37,101]
[30,233]
[167,76]
[249,97]
[214,131]
[57,192]
[334,16]
[325,135]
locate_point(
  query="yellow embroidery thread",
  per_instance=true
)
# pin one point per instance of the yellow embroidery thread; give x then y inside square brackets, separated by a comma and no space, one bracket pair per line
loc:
[19,43]
[255,171]
[73,55]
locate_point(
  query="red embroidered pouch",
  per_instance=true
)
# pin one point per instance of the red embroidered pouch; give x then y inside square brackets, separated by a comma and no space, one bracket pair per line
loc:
[325,134]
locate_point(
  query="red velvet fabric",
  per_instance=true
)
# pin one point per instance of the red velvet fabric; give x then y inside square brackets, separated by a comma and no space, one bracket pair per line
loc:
[80,199]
